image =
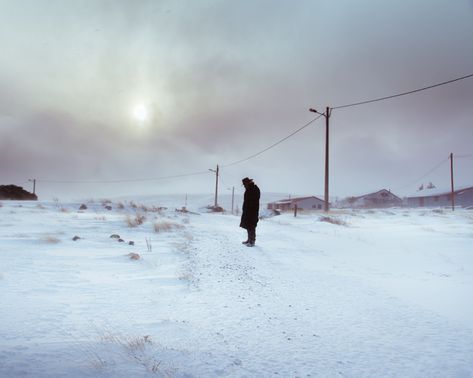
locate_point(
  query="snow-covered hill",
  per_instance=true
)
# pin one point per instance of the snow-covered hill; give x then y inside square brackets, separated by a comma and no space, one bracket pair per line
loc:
[368,293]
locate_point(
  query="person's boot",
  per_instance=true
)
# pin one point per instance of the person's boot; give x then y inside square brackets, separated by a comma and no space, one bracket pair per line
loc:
[245,242]
[250,243]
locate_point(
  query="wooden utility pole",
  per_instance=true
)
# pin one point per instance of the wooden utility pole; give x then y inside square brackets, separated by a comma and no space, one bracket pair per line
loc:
[451,180]
[34,185]
[326,192]
[327,118]
[216,186]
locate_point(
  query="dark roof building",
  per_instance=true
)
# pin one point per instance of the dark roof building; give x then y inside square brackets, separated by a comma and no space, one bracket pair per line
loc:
[381,198]
[441,198]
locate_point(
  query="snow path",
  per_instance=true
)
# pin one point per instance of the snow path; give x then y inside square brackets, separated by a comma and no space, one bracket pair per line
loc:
[280,314]
[387,295]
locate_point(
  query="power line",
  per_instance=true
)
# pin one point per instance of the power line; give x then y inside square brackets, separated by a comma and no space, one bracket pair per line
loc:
[464,156]
[273,145]
[123,180]
[176,176]
[425,175]
[403,93]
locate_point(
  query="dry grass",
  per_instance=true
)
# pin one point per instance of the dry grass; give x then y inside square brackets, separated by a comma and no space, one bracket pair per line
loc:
[135,221]
[140,350]
[165,226]
[149,245]
[50,239]
[134,256]
[333,220]
[64,210]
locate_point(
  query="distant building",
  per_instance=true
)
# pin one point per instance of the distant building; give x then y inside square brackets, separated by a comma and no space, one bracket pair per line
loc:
[302,203]
[381,198]
[440,198]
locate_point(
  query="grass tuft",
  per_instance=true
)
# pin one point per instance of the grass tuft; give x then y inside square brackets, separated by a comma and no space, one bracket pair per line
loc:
[135,221]
[333,220]
[50,239]
[165,226]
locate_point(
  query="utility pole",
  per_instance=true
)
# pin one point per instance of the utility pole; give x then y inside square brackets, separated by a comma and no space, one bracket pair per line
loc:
[451,180]
[326,190]
[216,184]
[327,117]
[233,197]
[34,185]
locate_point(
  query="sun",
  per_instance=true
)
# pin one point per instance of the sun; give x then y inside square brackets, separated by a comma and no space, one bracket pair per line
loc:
[140,113]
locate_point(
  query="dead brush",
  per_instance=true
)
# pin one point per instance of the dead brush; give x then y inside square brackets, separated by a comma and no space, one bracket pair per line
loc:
[165,226]
[135,221]
[149,245]
[50,239]
[140,350]
[333,220]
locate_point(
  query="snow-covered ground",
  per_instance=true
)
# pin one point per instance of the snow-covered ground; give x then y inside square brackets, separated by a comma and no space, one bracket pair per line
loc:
[382,293]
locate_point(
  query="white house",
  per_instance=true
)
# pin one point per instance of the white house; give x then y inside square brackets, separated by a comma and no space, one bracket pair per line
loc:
[302,203]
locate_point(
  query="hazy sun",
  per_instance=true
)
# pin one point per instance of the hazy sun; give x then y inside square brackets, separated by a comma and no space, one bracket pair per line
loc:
[140,113]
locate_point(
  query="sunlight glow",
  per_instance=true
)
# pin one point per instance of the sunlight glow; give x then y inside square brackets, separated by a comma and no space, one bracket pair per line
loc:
[140,113]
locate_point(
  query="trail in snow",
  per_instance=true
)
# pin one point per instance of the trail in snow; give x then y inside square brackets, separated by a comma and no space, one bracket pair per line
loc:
[280,311]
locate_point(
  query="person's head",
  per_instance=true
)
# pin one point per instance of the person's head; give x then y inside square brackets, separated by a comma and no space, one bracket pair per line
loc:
[247,182]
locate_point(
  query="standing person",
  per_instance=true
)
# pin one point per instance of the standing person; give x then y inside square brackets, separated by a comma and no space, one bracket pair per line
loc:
[249,216]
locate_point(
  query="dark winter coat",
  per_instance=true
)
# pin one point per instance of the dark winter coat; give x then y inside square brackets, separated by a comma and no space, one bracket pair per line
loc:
[249,216]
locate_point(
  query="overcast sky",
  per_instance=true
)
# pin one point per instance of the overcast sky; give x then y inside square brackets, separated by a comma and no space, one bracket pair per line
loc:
[218,81]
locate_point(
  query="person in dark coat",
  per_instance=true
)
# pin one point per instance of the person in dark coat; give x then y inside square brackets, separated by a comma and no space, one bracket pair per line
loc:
[249,216]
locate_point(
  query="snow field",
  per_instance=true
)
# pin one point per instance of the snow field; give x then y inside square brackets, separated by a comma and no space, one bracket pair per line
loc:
[386,294]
